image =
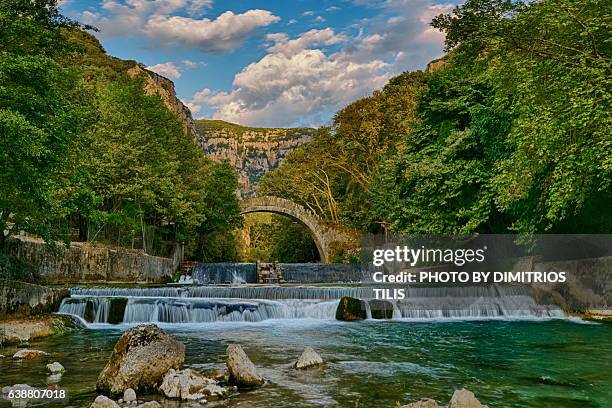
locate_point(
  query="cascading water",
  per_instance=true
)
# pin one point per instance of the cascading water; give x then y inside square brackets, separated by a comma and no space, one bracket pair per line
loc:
[254,304]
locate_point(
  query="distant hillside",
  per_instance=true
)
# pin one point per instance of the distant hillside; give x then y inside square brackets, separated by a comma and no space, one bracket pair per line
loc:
[251,151]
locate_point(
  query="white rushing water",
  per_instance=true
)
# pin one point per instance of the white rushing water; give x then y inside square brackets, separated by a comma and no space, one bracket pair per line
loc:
[255,304]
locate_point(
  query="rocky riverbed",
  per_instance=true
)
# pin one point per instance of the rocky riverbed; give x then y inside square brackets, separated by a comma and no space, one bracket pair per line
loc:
[371,363]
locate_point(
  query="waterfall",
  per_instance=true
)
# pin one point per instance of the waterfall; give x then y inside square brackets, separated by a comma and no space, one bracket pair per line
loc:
[258,303]
[182,310]
[247,292]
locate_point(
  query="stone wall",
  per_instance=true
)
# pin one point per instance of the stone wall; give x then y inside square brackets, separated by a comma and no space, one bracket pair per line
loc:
[588,286]
[20,299]
[323,273]
[87,262]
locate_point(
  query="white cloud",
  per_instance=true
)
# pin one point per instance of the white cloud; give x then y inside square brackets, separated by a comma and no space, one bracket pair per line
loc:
[402,27]
[310,38]
[167,69]
[308,13]
[300,81]
[153,19]
[292,21]
[193,64]
[320,19]
[294,84]
[197,7]
[332,9]
[174,70]
[225,33]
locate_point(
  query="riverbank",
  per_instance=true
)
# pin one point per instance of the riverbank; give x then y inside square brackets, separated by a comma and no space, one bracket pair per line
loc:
[507,364]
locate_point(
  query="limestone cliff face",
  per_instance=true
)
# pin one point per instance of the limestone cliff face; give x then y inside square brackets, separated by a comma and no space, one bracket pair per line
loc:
[252,151]
[155,84]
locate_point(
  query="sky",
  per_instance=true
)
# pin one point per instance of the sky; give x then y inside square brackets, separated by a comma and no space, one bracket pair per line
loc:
[281,63]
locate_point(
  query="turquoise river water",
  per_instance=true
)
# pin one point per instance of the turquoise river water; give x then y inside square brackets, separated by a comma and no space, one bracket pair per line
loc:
[494,341]
[553,363]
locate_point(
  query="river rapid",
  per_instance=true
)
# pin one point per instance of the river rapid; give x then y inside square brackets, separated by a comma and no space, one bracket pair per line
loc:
[510,359]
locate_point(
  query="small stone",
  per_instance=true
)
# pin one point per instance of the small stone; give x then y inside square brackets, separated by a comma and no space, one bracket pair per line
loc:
[309,358]
[55,368]
[464,399]
[423,403]
[129,395]
[1,356]
[29,354]
[104,402]
[242,371]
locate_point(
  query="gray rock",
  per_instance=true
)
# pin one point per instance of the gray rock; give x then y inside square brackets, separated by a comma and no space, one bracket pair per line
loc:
[464,399]
[55,368]
[29,354]
[423,403]
[351,309]
[189,384]
[104,402]
[309,358]
[129,395]
[243,372]
[140,359]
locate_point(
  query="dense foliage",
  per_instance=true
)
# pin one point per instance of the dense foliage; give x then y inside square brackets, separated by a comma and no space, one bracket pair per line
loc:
[84,148]
[510,132]
[275,238]
[331,176]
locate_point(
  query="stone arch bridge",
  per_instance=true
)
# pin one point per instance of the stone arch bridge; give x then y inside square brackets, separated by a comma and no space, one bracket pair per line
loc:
[330,239]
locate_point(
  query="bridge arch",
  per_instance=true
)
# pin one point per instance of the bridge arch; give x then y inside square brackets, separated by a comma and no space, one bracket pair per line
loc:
[324,235]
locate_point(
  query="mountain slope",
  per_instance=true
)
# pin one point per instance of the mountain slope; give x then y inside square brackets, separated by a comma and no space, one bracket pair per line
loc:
[251,151]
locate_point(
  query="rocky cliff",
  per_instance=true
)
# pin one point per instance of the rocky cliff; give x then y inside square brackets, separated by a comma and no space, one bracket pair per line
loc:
[252,151]
[155,84]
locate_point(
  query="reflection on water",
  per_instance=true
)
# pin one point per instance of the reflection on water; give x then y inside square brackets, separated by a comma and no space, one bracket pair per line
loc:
[556,363]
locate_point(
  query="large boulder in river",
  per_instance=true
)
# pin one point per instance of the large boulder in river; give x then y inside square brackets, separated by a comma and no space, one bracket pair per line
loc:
[309,358]
[381,309]
[242,371]
[423,403]
[464,399]
[351,309]
[140,359]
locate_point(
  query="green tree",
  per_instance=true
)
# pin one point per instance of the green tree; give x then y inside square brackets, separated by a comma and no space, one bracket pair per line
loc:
[440,180]
[549,64]
[40,121]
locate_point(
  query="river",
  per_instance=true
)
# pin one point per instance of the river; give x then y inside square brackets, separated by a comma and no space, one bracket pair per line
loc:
[507,360]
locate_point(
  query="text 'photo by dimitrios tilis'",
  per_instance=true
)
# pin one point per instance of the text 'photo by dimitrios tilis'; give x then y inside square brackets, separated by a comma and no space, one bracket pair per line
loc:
[309,203]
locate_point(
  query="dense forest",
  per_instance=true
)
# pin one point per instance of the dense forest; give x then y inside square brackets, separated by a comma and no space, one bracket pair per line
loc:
[509,132]
[86,154]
